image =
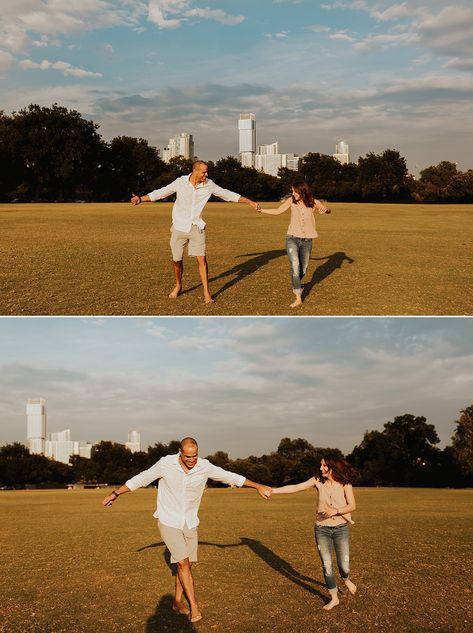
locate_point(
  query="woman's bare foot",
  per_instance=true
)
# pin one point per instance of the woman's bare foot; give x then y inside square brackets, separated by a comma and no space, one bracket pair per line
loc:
[208,299]
[175,293]
[297,302]
[350,586]
[181,608]
[195,616]
[333,603]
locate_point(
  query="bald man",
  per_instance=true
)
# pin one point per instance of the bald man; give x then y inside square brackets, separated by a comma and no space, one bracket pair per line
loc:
[188,228]
[182,480]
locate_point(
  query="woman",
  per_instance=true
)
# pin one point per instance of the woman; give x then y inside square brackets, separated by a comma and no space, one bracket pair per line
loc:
[335,505]
[300,233]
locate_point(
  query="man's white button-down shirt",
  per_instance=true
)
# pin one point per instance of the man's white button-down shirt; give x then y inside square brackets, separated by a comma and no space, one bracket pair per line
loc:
[190,200]
[180,493]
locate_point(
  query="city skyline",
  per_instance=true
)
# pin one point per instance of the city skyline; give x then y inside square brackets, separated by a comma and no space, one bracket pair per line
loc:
[380,73]
[59,445]
[237,384]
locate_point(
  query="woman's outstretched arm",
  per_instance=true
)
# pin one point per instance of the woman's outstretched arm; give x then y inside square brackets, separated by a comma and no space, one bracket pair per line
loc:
[305,485]
[283,207]
[321,207]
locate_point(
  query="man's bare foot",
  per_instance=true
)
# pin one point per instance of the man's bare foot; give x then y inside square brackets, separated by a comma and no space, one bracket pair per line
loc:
[175,293]
[181,608]
[296,303]
[350,586]
[208,299]
[333,603]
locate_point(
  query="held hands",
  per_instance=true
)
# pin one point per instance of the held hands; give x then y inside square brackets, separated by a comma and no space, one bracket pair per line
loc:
[265,491]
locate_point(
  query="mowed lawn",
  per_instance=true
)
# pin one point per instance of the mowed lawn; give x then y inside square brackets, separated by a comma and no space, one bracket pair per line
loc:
[70,565]
[114,259]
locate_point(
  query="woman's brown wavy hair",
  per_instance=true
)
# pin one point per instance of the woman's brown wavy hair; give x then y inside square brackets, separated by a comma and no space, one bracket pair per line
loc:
[303,189]
[342,471]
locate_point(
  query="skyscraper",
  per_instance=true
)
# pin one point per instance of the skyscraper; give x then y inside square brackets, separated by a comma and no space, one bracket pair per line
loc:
[342,152]
[247,139]
[180,145]
[269,160]
[134,442]
[36,425]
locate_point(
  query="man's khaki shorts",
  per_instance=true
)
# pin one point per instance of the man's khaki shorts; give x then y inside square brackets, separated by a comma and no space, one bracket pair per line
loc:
[195,240]
[182,544]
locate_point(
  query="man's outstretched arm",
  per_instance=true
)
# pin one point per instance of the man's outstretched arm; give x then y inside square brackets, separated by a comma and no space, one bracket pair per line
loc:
[252,203]
[113,496]
[263,491]
[138,199]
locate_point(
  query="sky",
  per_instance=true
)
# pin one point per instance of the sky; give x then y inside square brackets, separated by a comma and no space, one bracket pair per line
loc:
[236,384]
[377,73]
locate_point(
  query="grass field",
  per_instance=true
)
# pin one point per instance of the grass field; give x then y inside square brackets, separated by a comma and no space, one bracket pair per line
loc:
[113,259]
[70,565]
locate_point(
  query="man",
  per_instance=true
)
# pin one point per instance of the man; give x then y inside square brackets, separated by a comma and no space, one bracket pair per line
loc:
[188,227]
[182,482]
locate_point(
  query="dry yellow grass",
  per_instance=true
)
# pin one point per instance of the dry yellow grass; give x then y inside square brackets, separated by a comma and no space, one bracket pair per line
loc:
[113,259]
[70,565]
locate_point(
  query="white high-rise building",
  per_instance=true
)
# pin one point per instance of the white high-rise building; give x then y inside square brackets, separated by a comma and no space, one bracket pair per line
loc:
[134,442]
[269,160]
[36,425]
[59,445]
[247,139]
[342,152]
[180,145]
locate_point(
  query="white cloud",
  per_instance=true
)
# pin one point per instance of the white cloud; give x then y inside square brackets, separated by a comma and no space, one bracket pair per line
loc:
[375,42]
[6,59]
[64,67]
[170,14]
[216,14]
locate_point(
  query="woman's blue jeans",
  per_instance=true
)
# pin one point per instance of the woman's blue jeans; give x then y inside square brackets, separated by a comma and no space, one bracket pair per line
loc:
[328,538]
[298,250]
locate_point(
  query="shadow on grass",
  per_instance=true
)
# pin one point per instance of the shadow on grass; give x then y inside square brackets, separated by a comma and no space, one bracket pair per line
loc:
[164,619]
[265,554]
[332,263]
[241,270]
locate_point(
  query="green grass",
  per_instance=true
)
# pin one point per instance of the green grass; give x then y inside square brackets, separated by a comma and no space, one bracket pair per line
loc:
[113,259]
[70,565]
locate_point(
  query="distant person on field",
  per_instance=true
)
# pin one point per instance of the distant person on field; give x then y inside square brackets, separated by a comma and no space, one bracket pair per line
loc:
[182,480]
[300,233]
[335,504]
[193,192]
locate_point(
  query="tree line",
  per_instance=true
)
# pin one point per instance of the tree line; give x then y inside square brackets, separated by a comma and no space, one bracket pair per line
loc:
[404,453]
[53,154]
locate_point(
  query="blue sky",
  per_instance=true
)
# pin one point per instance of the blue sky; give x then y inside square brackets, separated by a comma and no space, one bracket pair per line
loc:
[378,73]
[237,384]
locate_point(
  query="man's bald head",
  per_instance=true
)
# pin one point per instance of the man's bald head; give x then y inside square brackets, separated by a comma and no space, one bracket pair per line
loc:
[188,442]
[189,452]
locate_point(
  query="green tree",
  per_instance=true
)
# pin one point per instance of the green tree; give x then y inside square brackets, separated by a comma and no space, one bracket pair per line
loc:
[384,177]
[462,444]
[161,450]
[403,454]
[58,153]
[434,182]
[133,167]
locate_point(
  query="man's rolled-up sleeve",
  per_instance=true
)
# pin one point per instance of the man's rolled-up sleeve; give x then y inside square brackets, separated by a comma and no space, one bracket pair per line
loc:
[225,476]
[225,194]
[164,192]
[143,479]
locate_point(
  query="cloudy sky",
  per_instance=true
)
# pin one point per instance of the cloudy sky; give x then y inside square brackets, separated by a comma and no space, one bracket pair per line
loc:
[237,384]
[378,73]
